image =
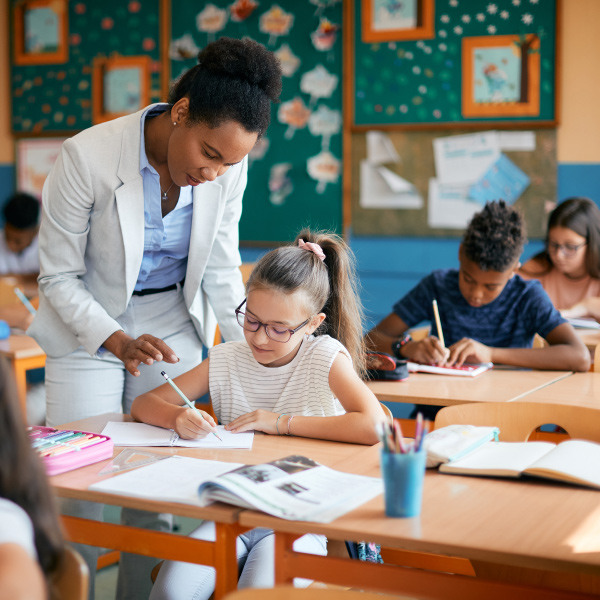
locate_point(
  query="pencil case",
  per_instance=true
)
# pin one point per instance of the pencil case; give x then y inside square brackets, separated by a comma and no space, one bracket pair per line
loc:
[381,366]
[66,454]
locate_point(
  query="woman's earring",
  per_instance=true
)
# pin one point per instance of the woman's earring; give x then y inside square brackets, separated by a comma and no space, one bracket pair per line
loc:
[174,122]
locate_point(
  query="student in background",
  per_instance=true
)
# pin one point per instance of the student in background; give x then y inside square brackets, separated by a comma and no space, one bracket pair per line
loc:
[488,313]
[31,543]
[296,373]
[569,266]
[19,253]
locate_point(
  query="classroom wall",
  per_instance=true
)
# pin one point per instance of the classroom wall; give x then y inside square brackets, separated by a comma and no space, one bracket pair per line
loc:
[388,267]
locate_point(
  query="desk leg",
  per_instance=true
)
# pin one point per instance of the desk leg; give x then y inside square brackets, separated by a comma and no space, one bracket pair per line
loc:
[225,557]
[20,368]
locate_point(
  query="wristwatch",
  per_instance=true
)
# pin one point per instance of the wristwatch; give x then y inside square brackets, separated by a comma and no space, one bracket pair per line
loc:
[398,344]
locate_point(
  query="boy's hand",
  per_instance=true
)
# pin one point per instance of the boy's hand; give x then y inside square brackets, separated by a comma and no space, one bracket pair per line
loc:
[193,424]
[470,351]
[258,420]
[428,351]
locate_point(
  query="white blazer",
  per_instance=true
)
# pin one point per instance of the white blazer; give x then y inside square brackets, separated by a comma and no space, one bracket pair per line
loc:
[92,242]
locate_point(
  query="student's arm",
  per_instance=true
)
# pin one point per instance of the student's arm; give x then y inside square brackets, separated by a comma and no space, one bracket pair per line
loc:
[21,577]
[588,307]
[565,352]
[357,425]
[426,351]
[163,407]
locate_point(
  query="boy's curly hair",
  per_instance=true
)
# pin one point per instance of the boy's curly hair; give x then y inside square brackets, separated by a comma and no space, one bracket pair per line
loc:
[495,237]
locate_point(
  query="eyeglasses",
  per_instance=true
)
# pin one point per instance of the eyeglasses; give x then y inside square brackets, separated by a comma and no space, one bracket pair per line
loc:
[568,250]
[277,334]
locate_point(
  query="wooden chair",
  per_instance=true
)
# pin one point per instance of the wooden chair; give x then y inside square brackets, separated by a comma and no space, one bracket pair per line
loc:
[596,364]
[310,593]
[518,420]
[71,581]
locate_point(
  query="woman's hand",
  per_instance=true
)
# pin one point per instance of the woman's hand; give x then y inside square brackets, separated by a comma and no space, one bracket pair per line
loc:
[193,424]
[428,351]
[258,420]
[470,351]
[145,349]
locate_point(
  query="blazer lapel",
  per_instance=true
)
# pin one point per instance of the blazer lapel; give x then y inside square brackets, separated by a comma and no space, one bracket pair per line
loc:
[130,201]
[208,207]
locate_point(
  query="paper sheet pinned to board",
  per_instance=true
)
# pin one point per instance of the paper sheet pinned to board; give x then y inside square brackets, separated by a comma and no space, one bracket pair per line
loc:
[380,148]
[382,188]
[449,206]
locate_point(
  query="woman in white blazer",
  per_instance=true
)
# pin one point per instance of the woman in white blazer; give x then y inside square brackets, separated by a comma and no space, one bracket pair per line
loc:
[139,238]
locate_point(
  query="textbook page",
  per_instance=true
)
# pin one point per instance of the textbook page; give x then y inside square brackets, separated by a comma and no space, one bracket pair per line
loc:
[294,487]
[463,371]
[173,479]
[503,459]
[142,434]
[575,461]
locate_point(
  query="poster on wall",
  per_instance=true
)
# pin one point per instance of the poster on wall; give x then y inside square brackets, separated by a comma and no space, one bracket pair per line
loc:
[35,158]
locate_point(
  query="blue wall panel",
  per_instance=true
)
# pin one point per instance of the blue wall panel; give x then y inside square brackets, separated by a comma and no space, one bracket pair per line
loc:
[579,180]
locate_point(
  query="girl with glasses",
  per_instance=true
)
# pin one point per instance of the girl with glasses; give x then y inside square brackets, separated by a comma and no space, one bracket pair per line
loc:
[296,373]
[569,266]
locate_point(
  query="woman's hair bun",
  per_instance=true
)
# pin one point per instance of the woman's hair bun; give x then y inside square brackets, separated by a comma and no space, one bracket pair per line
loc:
[245,60]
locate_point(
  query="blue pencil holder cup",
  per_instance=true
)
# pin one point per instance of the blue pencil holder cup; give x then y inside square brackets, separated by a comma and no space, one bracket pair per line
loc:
[403,476]
[4,330]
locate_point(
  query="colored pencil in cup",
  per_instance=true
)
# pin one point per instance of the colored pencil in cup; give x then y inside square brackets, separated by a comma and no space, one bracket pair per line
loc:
[185,398]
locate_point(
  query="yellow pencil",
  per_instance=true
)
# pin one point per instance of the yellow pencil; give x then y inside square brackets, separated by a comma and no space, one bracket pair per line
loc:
[438,323]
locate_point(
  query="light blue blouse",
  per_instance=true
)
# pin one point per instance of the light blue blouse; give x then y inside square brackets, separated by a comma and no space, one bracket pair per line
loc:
[166,240]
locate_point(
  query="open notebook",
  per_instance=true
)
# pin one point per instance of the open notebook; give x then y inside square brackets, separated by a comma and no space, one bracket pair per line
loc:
[464,370]
[141,434]
[572,461]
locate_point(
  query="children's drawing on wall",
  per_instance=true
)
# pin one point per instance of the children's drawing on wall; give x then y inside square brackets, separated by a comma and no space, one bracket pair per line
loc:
[322,5]
[280,183]
[318,83]
[497,75]
[260,149]
[324,37]
[471,170]
[211,20]
[324,168]
[394,14]
[289,61]
[183,48]
[380,186]
[276,22]
[240,10]
[325,122]
[294,114]
[41,30]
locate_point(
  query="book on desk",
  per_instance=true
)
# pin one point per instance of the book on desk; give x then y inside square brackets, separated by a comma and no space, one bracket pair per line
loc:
[293,487]
[571,461]
[465,370]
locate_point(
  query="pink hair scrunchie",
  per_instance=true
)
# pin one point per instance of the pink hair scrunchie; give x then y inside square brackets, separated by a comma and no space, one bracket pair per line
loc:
[312,247]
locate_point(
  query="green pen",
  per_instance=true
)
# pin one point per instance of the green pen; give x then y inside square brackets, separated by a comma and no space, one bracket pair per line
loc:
[185,398]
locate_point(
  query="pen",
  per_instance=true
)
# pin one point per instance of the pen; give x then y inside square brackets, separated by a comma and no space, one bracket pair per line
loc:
[438,323]
[184,398]
[23,298]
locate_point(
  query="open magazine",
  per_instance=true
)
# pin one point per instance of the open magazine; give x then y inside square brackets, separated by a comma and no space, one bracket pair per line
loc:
[294,487]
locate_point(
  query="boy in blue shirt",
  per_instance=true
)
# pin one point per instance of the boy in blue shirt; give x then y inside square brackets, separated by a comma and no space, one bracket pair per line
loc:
[488,313]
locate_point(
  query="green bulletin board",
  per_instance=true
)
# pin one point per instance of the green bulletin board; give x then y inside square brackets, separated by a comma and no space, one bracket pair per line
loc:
[280,197]
[50,98]
[420,82]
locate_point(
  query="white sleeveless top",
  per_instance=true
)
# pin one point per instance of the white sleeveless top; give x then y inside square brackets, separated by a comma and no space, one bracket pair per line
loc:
[16,527]
[239,384]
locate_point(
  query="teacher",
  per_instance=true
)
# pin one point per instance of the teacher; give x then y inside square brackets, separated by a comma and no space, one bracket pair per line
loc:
[138,241]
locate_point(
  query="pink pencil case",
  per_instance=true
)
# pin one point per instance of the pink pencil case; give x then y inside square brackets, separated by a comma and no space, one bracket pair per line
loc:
[65,454]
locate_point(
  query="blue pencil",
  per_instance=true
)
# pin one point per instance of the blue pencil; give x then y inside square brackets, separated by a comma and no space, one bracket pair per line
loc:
[23,298]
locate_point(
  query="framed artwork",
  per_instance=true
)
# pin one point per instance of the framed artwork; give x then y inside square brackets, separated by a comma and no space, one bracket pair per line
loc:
[120,86]
[35,158]
[501,76]
[392,20]
[40,32]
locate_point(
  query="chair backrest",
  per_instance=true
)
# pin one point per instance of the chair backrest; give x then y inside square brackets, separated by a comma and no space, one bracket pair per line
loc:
[71,580]
[596,364]
[517,420]
[388,413]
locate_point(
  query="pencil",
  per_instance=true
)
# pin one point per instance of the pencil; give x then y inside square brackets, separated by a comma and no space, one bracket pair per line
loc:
[438,323]
[185,398]
[23,298]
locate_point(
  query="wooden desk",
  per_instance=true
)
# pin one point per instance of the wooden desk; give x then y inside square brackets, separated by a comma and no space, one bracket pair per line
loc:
[220,554]
[495,385]
[580,389]
[590,337]
[24,354]
[522,528]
